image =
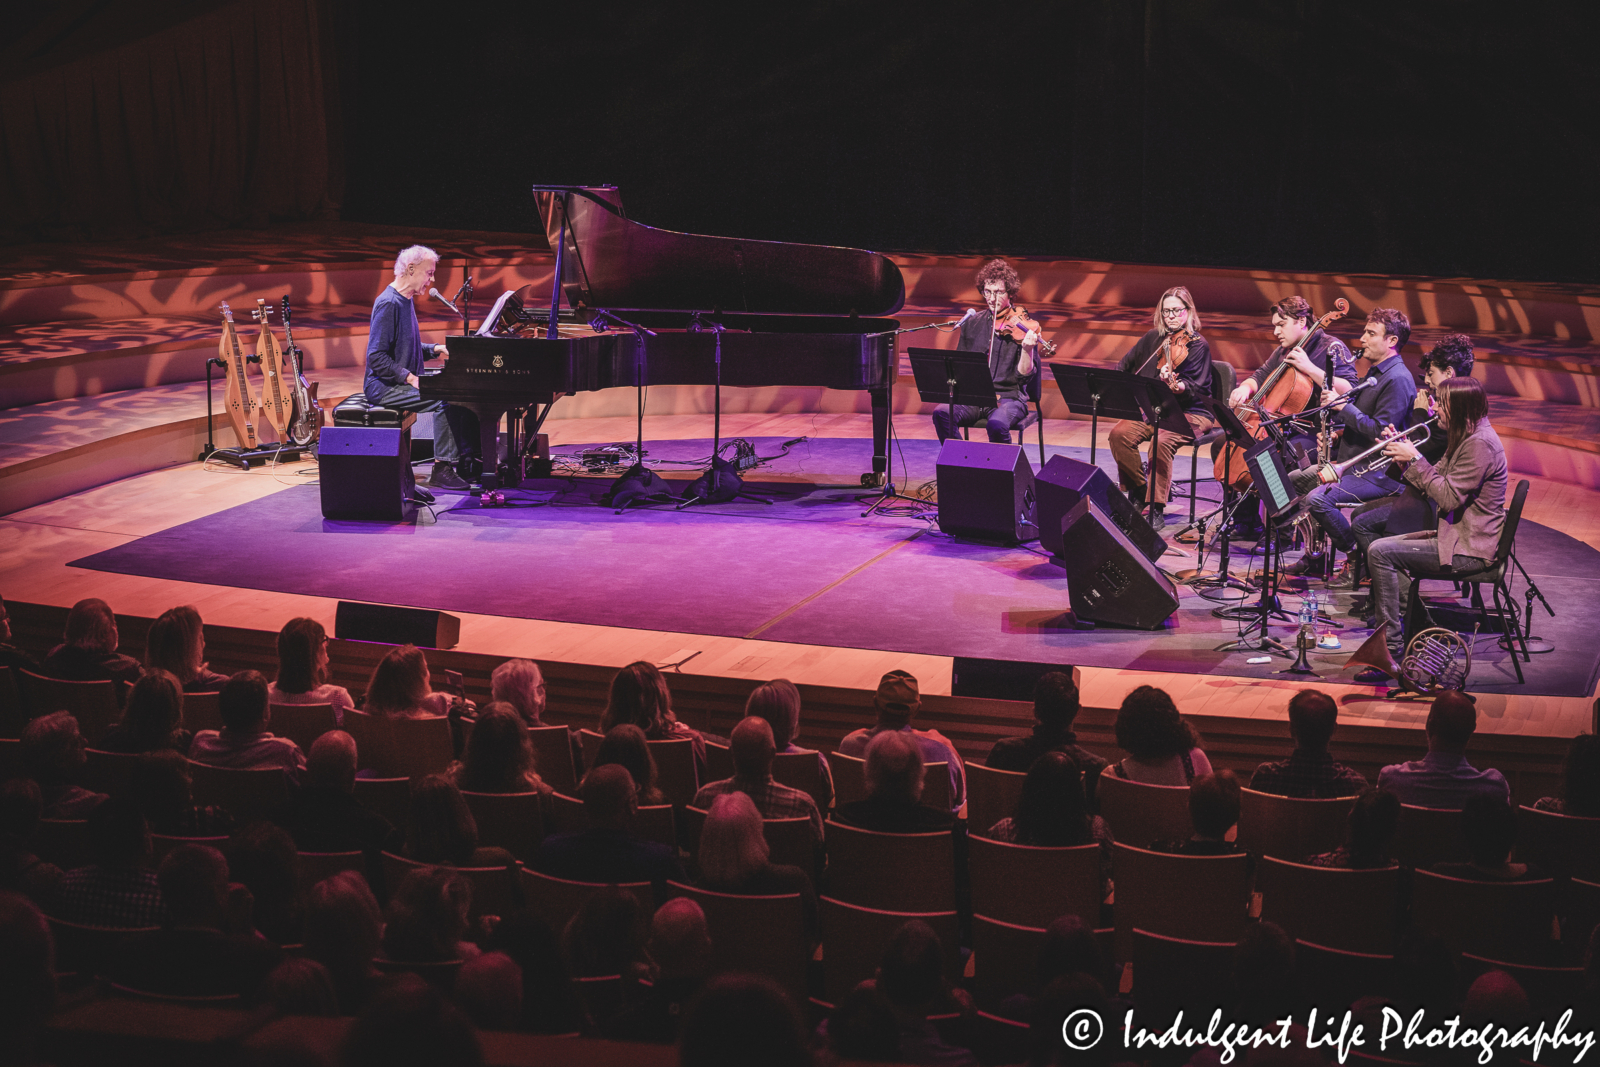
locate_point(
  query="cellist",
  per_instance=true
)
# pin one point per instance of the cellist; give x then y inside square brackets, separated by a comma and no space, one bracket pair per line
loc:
[1176,321]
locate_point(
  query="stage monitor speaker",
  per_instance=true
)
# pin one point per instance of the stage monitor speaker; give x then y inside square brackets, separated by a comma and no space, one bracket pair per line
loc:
[1063,482]
[1002,679]
[986,491]
[365,473]
[354,621]
[1108,580]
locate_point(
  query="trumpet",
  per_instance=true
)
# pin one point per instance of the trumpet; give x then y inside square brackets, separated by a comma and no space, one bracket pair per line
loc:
[1372,459]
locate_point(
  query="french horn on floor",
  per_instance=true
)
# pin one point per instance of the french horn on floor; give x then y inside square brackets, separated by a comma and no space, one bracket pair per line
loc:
[1435,659]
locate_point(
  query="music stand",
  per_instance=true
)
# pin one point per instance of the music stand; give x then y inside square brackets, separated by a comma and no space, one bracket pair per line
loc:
[1233,432]
[953,376]
[1119,394]
[1278,498]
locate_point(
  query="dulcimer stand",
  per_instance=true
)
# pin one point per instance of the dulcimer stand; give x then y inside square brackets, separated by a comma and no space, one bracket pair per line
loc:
[242,457]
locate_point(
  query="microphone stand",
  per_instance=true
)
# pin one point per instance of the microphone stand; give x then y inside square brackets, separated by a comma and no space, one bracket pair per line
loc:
[464,299]
[638,484]
[889,492]
[1531,643]
[721,482]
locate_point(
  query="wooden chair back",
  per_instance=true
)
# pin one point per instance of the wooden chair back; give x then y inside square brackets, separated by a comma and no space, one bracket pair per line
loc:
[84,950]
[557,900]
[1198,898]
[1566,846]
[755,934]
[1337,978]
[1551,990]
[421,746]
[804,771]
[1034,886]
[1501,920]
[202,711]
[1172,974]
[1004,958]
[552,757]
[161,844]
[1290,828]
[910,872]
[93,704]
[1580,914]
[312,867]
[495,890]
[302,723]
[10,758]
[108,772]
[854,938]
[996,1039]
[1344,909]
[788,840]
[389,797]
[719,761]
[850,781]
[1426,836]
[440,974]
[13,713]
[653,822]
[992,795]
[678,778]
[246,794]
[1140,814]
[64,842]
[512,821]
[590,741]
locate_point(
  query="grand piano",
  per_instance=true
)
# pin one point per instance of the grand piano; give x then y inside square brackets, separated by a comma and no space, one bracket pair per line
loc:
[794,314]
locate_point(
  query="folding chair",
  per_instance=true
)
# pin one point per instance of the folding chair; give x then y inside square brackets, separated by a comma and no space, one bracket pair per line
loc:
[1566,846]
[1344,909]
[1291,828]
[913,872]
[552,757]
[1198,898]
[93,704]
[1426,836]
[1334,978]
[1508,921]
[1223,380]
[854,938]
[1140,815]
[1497,577]
[678,779]
[495,890]
[1034,886]
[992,795]
[1172,974]
[757,934]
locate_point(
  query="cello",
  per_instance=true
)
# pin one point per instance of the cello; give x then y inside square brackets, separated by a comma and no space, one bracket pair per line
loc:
[1286,391]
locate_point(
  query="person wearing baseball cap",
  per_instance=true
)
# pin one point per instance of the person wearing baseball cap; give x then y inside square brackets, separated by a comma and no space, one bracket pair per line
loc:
[897,702]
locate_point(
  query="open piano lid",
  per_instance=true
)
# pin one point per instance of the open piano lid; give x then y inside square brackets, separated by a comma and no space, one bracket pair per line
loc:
[615,263]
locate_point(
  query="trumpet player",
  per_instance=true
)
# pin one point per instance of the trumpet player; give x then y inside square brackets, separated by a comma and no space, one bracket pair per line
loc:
[1468,486]
[1364,413]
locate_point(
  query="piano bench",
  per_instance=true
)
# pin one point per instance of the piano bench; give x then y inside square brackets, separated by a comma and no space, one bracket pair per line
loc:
[357,410]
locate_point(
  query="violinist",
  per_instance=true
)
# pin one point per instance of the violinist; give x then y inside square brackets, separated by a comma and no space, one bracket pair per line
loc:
[1364,419]
[1177,329]
[1012,362]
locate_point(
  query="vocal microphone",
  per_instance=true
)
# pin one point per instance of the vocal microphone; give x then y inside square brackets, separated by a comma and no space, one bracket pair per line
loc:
[970,313]
[440,297]
[1369,383]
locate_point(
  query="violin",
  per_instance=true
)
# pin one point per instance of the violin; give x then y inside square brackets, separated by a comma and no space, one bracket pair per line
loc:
[1014,322]
[1174,350]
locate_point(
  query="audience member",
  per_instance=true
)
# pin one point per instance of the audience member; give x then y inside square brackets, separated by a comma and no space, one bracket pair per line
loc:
[119,888]
[88,652]
[1310,772]
[607,936]
[499,756]
[1263,977]
[261,857]
[549,1002]
[325,816]
[1069,948]
[1066,994]
[639,696]
[10,655]
[489,990]
[192,955]
[520,683]
[1053,812]
[743,1019]
[912,979]
[27,980]
[1580,780]
[152,718]
[162,788]
[410,1021]
[303,669]
[52,754]
[344,932]
[680,948]
[753,750]
[243,742]
[428,918]
[441,828]
[734,858]
[894,779]
[1214,810]
[1443,778]
[399,687]
[896,703]
[1373,819]
[627,747]
[1425,972]
[608,851]
[300,986]
[863,1027]
[1163,749]
[1055,708]
[21,870]
[1489,825]
[778,702]
[176,643]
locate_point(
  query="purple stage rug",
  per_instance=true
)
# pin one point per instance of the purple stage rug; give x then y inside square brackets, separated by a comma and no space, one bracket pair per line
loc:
[806,567]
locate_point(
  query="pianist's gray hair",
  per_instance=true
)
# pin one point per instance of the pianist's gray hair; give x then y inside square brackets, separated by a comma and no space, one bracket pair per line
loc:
[412,256]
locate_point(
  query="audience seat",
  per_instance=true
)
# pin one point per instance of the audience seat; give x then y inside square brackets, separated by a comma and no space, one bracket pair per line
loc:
[495,890]
[589,741]
[440,973]
[1501,920]
[108,772]
[1172,974]
[1005,957]
[788,840]
[992,795]
[719,761]
[602,997]
[197,1000]
[1291,828]
[161,844]
[913,872]
[389,797]
[312,867]
[1565,846]
[83,950]
[996,1039]
[420,746]
[10,758]
[126,1031]
[803,771]
[552,757]
[1334,978]
[64,842]
[1580,912]
[512,821]
[1034,886]
[854,937]
[1140,815]
[1551,990]
[653,822]
[677,777]
[13,714]
[246,794]
[202,711]
[1427,836]
[1201,898]
[93,704]
[557,900]
[302,723]
[850,781]
[757,934]
[1345,909]
[373,743]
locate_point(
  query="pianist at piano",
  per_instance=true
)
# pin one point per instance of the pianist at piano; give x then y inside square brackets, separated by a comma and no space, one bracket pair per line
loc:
[1011,363]
[395,354]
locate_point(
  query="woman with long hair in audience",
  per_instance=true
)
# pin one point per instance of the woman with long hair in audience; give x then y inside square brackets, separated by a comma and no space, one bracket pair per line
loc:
[441,828]
[1580,780]
[162,788]
[262,857]
[734,857]
[303,669]
[1053,813]
[399,689]
[499,756]
[626,746]
[152,719]
[1369,832]
[778,702]
[428,918]
[639,696]
[344,932]
[1163,749]
[177,643]
[608,936]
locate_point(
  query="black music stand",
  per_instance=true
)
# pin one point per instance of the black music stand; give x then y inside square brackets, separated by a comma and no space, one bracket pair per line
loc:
[1278,499]
[638,484]
[953,376]
[721,482]
[1224,583]
[1118,394]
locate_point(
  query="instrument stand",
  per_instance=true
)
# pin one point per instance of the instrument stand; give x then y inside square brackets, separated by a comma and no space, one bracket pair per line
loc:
[1304,641]
[638,484]
[1532,644]
[242,457]
[1264,610]
[721,482]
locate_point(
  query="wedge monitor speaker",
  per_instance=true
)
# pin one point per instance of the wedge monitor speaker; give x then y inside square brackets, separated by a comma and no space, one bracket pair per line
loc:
[1108,579]
[1064,481]
[355,621]
[986,492]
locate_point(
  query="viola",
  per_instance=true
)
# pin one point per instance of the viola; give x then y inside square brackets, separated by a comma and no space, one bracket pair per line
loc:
[1014,322]
[1174,350]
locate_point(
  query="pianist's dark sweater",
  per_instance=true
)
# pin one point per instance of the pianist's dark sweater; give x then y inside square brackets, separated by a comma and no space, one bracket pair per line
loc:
[395,347]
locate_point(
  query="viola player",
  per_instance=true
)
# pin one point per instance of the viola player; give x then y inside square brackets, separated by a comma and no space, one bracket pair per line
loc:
[1012,363]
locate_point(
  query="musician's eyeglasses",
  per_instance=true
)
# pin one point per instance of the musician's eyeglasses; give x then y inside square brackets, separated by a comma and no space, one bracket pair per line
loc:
[1173,313]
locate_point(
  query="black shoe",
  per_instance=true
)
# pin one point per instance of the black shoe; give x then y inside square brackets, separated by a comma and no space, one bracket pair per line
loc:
[444,476]
[1306,564]
[1246,532]
[1372,676]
